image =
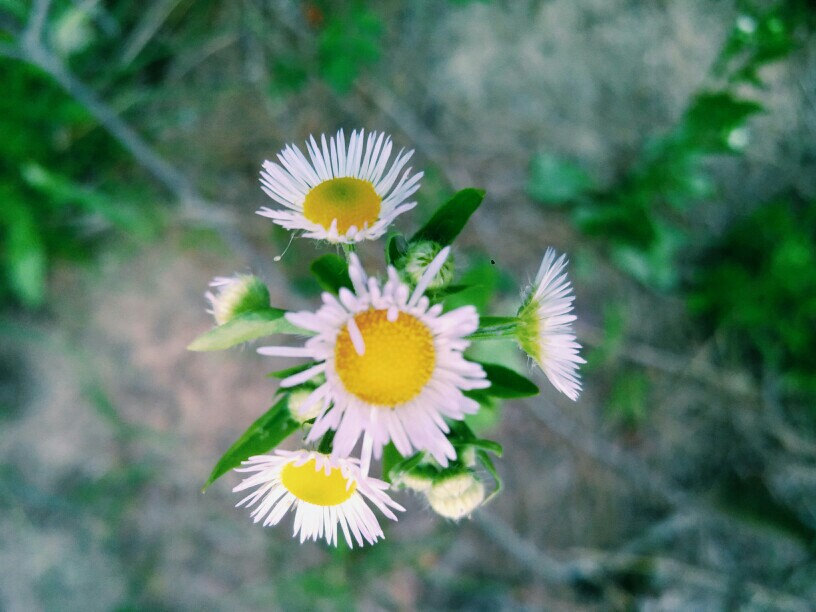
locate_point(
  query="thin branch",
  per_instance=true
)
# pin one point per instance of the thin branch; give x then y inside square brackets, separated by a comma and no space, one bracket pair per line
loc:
[677,365]
[154,18]
[36,23]
[165,173]
[548,568]
[598,567]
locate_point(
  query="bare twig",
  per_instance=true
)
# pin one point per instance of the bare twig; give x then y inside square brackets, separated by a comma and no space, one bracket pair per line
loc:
[677,365]
[591,566]
[36,23]
[152,21]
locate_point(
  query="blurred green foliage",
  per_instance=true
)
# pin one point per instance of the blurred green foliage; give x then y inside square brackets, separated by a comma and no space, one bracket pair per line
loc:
[345,39]
[757,282]
[53,182]
[758,285]
[643,217]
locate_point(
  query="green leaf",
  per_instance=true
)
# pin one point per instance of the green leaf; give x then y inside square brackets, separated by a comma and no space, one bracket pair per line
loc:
[25,255]
[462,435]
[482,279]
[393,464]
[248,326]
[395,249]
[331,272]
[504,383]
[263,435]
[555,181]
[488,464]
[712,118]
[291,371]
[450,218]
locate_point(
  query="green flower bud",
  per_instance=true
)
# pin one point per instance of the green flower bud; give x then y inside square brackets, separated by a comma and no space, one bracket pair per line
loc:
[419,256]
[300,412]
[235,295]
[416,481]
[457,495]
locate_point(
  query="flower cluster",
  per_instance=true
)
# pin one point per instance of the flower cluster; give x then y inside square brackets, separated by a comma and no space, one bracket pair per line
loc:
[384,369]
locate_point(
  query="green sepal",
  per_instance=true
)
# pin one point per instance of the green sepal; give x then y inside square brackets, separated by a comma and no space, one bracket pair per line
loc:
[263,435]
[395,249]
[504,383]
[488,465]
[287,372]
[244,327]
[394,464]
[450,218]
[331,272]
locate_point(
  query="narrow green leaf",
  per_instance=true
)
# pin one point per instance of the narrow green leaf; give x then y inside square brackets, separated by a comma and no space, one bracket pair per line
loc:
[505,383]
[331,272]
[263,435]
[26,257]
[488,464]
[394,463]
[485,445]
[450,218]
[391,457]
[248,326]
[395,248]
[462,435]
[286,373]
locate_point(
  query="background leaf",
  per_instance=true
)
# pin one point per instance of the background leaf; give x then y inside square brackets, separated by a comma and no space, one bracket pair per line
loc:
[245,327]
[331,272]
[555,181]
[450,218]
[262,436]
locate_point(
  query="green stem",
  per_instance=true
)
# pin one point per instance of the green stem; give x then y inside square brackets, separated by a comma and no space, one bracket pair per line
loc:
[495,328]
[348,249]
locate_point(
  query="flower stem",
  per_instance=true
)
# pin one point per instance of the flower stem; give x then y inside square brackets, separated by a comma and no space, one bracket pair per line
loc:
[495,328]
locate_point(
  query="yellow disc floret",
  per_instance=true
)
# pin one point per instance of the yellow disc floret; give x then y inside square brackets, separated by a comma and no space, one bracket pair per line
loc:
[351,201]
[397,362]
[314,486]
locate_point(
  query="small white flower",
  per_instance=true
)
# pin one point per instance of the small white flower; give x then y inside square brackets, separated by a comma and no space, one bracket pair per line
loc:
[393,365]
[235,295]
[545,326]
[324,492]
[456,496]
[342,195]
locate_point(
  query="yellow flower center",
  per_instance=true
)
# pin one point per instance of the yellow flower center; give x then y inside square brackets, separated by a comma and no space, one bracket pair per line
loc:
[351,201]
[313,486]
[398,360]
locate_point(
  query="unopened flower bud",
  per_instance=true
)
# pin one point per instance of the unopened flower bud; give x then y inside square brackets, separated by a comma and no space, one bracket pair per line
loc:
[416,481]
[299,411]
[419,257]
[456,496]
[235,295]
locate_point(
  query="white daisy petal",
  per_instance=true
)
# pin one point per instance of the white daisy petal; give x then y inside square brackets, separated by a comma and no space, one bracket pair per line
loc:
[394,367]
[324,492]
[545,331]
[340,193]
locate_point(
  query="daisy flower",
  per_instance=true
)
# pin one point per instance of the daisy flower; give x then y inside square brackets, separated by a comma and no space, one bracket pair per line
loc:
[324,491]
[340,195]
[545,326]
[393,365]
